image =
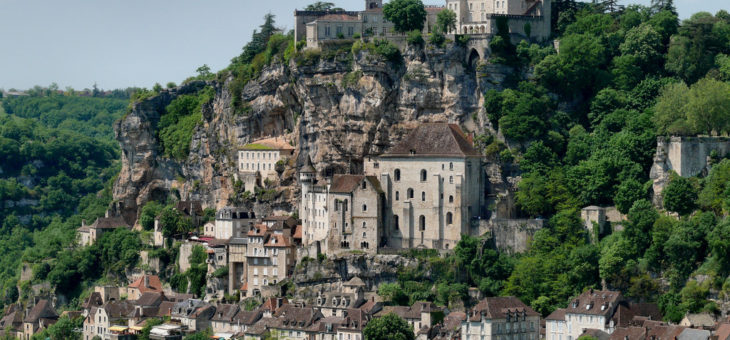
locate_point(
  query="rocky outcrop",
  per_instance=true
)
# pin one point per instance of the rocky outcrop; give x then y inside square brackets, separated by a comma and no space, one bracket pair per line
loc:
[338,112]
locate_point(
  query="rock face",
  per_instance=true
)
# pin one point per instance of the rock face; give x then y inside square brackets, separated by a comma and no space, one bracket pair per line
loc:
[338,112]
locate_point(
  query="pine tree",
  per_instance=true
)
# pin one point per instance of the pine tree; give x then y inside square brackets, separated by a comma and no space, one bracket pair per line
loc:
[663,5]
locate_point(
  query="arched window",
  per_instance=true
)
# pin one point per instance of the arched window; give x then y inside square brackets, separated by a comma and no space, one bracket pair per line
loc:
[364,225]
[423,196]
[364,234]
[397,194]
[364,207]
[364,184]
[422,223]
[395,221]
[451,199]
[451,166]
[410,193]
[449,218]
[396,175]
[423,175]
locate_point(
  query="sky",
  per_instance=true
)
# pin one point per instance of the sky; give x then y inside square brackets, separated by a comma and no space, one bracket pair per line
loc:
[123,43]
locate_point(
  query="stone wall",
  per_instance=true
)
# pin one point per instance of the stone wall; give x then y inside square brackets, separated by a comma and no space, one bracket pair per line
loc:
[687,156]
[183,258]
[510,235]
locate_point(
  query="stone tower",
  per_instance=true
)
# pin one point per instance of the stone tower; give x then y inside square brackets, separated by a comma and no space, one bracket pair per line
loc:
[370,4]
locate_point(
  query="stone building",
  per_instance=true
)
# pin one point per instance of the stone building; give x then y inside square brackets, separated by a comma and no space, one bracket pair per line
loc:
[260,158]
[479,17]
[100,320]
[320,27]
[355,217]
[233,222]
[501,318]
[40,317]
[89,234]
[313,206]
[270,257]
[433,187]
[592,309]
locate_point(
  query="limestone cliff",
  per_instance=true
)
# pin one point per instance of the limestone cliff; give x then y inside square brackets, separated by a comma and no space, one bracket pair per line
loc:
[336,111]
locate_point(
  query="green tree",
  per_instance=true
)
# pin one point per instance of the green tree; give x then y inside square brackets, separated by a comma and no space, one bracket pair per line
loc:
[719,241]
[628,192]
[173,222]
[388,327]
[392,292]
[642,216]
[149,212]
[715,193]
[406,15]
[446,21]
[708,106]
[669,114]
[320,6]
[680,195]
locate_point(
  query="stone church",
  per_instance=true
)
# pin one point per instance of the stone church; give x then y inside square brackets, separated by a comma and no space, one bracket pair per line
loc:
[423,193]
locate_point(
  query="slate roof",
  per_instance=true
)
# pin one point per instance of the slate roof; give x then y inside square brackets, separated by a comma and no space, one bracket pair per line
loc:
[109,223]
[345,184]
[500,307]
[626,314]
[118,309]
[225,312]
[292,317]
[557,315]
[248,317]
[308,167]
[694,334]
[150,299]
[594,302]
[42,310]
[409,312]
[434,140]
[94,300]
[13,318]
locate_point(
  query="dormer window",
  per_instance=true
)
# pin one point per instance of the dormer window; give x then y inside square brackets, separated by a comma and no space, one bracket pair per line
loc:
[575,304]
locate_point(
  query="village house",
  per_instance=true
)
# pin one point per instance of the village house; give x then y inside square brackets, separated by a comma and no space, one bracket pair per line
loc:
[100,320]
[233,222]
[11,324]
[336,303]
[194,314]
[419,316]
[270,258]
[89,234]
[501,318]
[143,284]
[192,210]
[223,318]
[598,310]
[313,206]
[297,323]
[40,317]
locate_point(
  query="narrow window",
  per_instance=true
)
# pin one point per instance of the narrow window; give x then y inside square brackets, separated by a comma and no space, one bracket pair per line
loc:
[449,218]
[423,196]
[364,207]
[451,199]
[397,194]
[422,223]
[410,193]
[396,175]
[423,175]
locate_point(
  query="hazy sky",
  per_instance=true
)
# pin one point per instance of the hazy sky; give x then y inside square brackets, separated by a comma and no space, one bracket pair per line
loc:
[120,43]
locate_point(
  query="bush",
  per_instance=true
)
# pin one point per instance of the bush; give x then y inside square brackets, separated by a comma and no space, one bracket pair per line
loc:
[356,36]
[437,39]
[415,38]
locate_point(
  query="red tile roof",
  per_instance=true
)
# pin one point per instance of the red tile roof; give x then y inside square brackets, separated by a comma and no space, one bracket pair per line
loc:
[258,230]
[277,240]
[500,307]
[338,17]
[153,284]
[297,232]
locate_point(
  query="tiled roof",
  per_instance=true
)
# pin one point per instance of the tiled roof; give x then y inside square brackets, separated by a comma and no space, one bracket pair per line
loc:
[42,309]
[723,331]
[700,320]
[94,300]
[13,318]
[297,232]
[625,314]
[152,285]
[258,230]
[308,166]
[165,308]
[277,240]
[452,322]
[594,302]
[248,317]
[338,17]
[434,140]
[355,281]
[274,143]
[272,304]
[596,333]
[500,308]
[694,334]
[118,309]
[292,317]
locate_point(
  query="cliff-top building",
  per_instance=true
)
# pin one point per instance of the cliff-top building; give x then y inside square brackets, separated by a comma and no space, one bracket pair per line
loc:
[478,18]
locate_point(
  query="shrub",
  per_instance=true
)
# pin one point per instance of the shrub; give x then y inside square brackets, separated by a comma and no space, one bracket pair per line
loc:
[415,38]
[356,36]
[437,39]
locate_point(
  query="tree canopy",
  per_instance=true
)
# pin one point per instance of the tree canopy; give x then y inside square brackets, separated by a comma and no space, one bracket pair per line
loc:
[406,15]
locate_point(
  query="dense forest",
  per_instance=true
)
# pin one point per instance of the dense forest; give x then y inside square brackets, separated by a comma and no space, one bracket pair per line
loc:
[58,160]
